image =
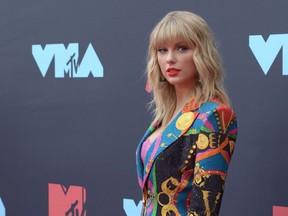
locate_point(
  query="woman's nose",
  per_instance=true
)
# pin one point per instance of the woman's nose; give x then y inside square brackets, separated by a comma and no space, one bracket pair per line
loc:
[170,57]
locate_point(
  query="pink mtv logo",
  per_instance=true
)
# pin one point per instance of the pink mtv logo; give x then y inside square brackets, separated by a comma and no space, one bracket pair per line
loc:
[280,211]
[66,201]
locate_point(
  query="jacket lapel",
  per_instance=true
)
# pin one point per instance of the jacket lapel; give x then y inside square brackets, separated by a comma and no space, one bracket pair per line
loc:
[139,163]
[179,126]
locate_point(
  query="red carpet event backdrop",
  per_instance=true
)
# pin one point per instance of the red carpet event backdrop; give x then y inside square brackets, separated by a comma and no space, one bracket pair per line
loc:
[74,105]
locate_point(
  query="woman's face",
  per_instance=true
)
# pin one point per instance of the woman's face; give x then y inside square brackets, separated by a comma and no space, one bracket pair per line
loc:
[175,59]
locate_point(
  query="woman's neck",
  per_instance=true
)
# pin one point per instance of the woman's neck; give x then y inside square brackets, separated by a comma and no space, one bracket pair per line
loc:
[182,97]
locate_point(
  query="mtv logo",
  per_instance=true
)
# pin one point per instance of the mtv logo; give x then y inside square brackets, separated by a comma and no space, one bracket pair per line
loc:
[66,201]
[280,210]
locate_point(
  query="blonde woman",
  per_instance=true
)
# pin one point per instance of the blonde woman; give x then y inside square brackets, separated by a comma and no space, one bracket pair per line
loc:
[183,158]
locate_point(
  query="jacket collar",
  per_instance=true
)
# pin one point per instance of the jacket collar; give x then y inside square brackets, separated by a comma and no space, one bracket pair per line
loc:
[176,128]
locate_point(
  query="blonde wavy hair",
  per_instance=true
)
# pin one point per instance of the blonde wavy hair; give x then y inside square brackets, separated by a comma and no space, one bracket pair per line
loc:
[194,31]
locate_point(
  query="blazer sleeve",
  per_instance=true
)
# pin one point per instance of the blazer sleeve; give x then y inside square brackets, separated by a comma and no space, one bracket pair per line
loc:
[214,149]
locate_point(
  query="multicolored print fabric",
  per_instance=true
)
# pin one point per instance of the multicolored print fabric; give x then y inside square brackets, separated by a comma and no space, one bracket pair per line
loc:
[184,170]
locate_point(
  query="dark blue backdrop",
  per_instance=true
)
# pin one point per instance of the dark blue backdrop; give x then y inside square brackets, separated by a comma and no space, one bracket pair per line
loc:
[84,131]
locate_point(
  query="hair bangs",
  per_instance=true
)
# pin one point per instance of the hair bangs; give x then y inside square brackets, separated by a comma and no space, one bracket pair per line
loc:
[167,31]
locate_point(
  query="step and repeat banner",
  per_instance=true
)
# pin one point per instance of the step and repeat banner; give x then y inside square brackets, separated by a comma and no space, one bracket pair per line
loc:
[73,104]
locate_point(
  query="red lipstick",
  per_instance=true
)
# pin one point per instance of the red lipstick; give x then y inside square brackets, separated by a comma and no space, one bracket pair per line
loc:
[171,71]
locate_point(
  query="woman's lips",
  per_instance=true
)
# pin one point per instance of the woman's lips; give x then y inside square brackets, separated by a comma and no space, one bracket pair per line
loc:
[172,71]
[172,74]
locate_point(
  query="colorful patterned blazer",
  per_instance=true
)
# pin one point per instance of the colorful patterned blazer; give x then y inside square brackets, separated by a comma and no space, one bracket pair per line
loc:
[184,173]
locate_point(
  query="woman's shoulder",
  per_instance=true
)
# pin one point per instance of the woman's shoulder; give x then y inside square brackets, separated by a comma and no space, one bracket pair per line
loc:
[215,106]
[212,105]
[217,116]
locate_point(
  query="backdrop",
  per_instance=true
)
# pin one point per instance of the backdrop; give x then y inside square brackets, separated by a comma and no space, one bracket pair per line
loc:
[73,105]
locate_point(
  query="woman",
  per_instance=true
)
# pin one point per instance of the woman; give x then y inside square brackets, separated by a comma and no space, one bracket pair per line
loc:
[182,159]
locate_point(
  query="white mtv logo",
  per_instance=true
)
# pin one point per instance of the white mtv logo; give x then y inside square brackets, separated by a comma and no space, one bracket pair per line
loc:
[66,60]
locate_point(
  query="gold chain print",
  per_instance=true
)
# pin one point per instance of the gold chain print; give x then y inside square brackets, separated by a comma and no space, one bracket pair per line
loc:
[169,188]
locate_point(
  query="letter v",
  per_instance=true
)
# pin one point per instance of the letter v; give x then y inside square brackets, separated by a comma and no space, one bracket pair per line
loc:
[2,208]
[131,209]
[265,52]
[43,57]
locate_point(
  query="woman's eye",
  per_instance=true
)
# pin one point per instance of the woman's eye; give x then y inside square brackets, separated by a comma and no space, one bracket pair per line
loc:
[182,48]
[162,50]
